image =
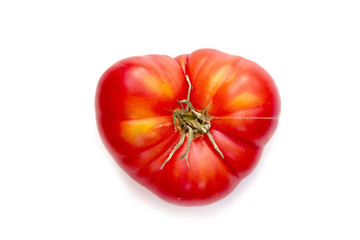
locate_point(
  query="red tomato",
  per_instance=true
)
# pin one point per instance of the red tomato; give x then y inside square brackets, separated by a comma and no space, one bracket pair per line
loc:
[229,114]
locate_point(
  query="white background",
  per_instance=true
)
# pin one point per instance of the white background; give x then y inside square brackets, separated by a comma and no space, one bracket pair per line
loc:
[58,182]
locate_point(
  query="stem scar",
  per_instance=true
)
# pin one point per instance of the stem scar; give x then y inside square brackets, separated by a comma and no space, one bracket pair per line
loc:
[193,123]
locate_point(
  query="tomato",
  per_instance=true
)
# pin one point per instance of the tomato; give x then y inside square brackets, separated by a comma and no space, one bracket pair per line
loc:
[188,128]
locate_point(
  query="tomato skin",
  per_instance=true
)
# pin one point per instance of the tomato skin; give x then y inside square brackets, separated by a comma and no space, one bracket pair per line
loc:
[134,102]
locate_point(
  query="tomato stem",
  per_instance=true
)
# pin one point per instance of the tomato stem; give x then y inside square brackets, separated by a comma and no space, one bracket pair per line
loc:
[193,123]
[175,148]
[189,90]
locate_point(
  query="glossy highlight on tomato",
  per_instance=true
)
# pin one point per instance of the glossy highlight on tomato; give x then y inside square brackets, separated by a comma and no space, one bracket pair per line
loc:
[188,128]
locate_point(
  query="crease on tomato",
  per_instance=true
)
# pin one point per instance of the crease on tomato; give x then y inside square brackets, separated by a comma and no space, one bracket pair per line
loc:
[241,157]
[141,161]
[240,138]
[229,115]
[226,79]
[223,161]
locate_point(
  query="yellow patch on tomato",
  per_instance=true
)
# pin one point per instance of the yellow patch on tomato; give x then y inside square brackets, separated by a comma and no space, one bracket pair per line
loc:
[216,79]
[138,107]
[247,100]
[160,87]
[142,132]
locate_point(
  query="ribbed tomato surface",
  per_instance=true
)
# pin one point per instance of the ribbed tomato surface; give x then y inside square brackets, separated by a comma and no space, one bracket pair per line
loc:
[135,100]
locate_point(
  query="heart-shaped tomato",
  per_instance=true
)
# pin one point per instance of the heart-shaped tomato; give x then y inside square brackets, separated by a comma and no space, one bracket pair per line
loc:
[188,128]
